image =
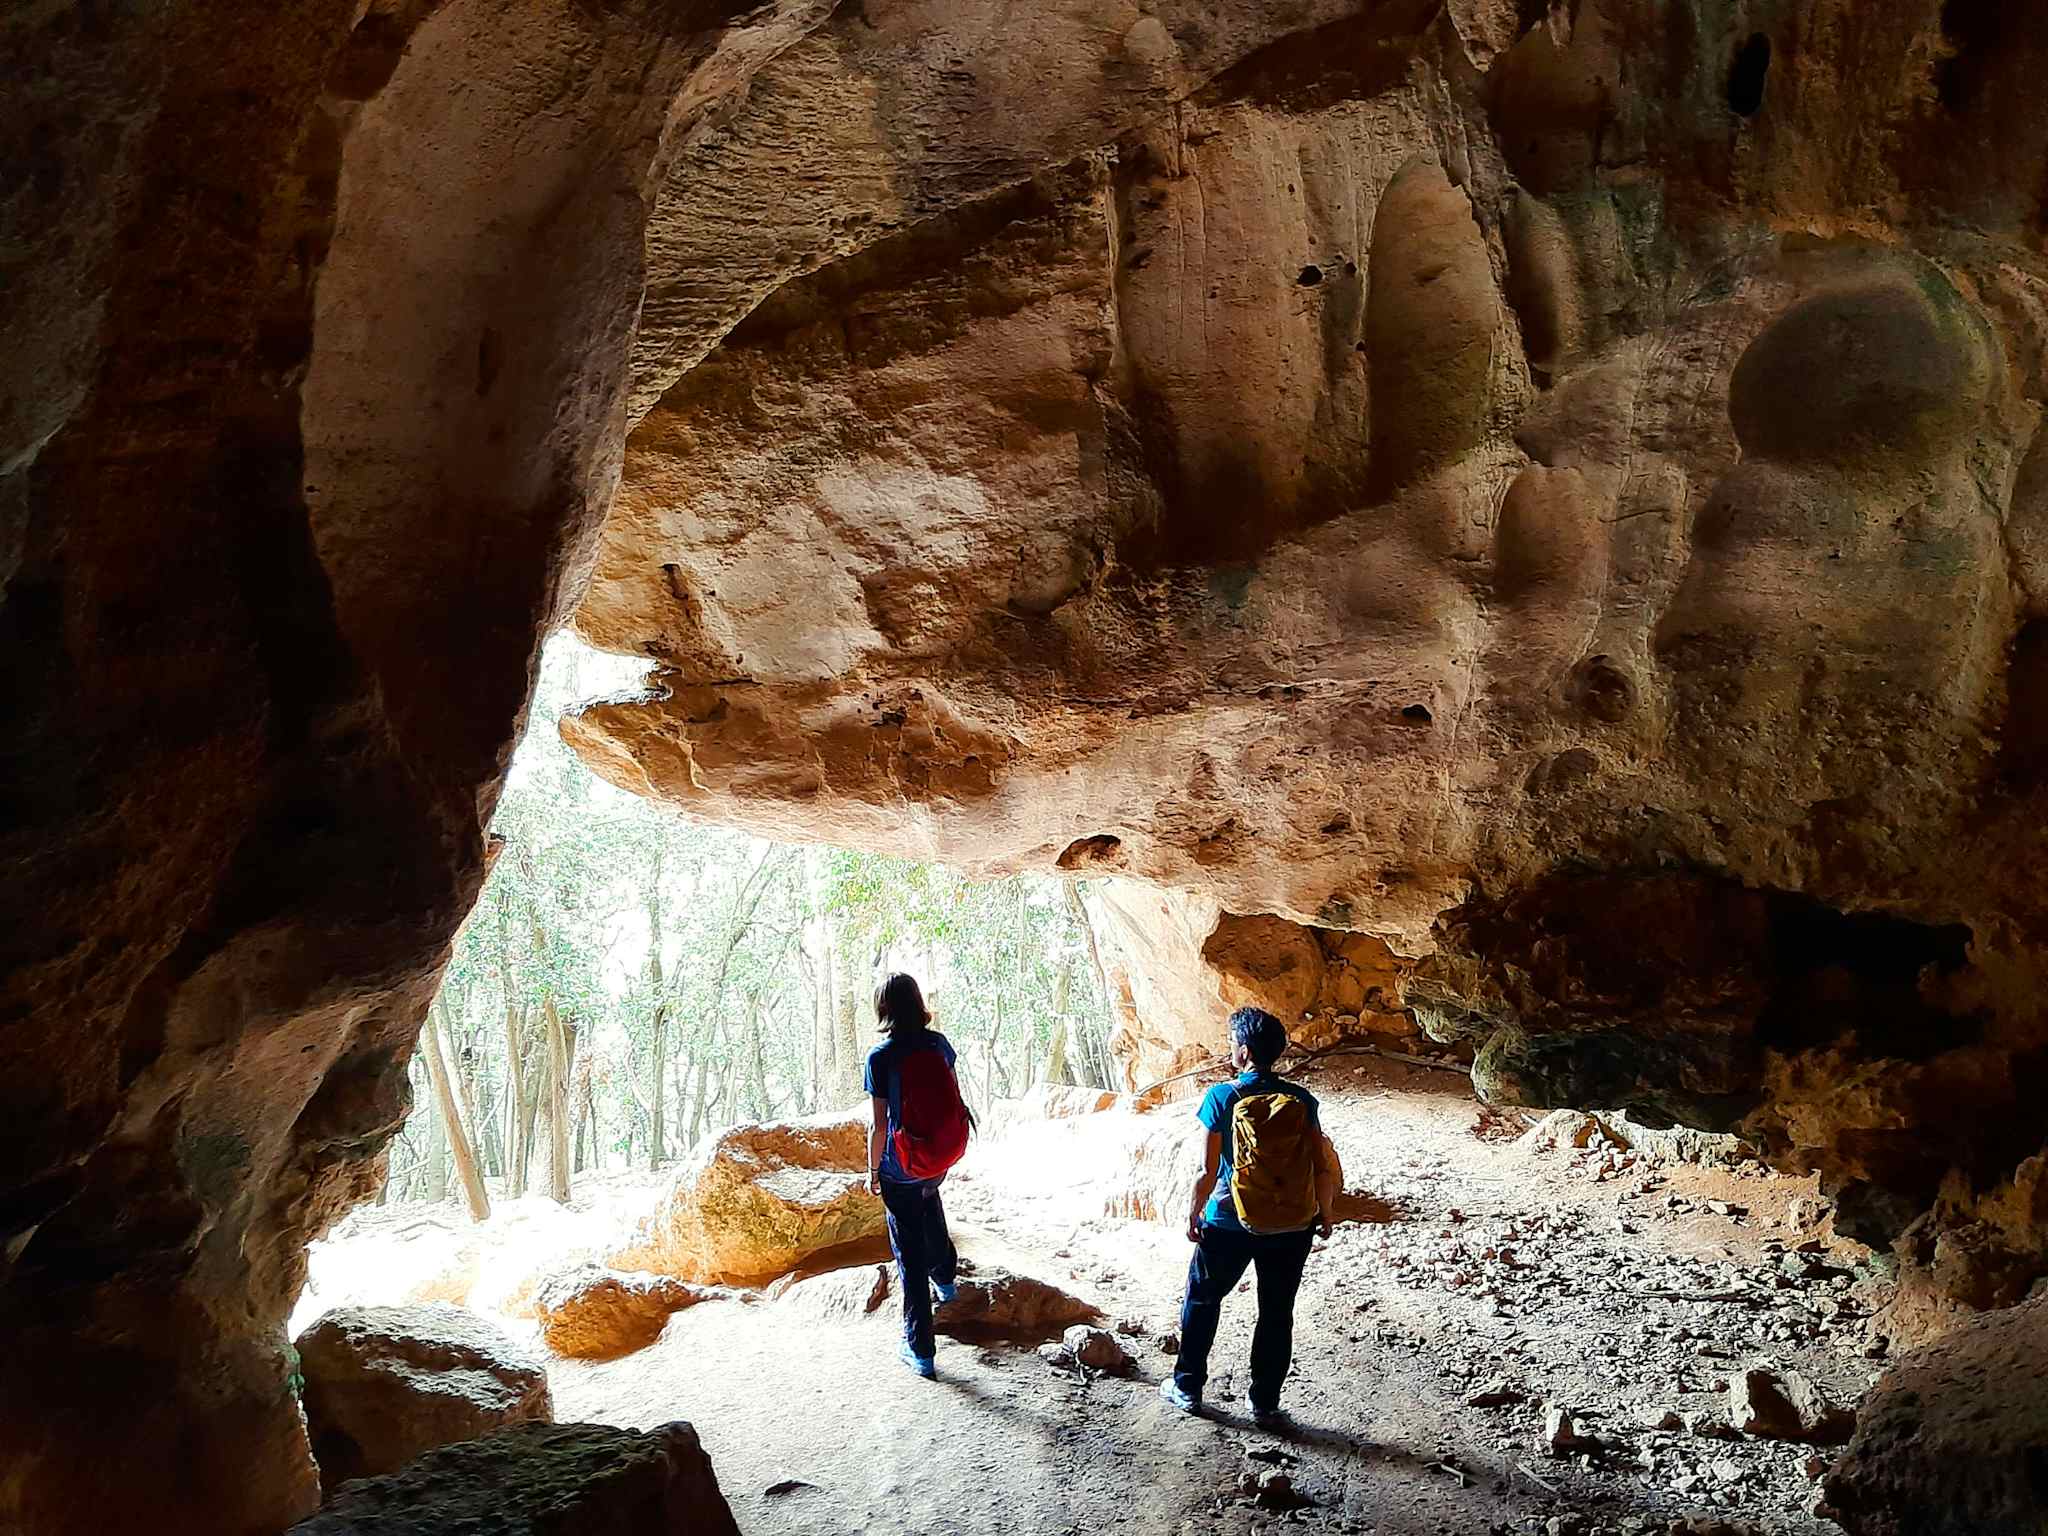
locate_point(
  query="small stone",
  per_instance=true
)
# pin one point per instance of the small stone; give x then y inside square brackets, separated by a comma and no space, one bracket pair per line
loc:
[1560,1434]
[1496,1394]
[1060,1358]
[1096,1348]
[1169,1343]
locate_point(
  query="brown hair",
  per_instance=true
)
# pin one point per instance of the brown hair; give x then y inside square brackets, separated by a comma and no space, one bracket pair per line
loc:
[899,1007]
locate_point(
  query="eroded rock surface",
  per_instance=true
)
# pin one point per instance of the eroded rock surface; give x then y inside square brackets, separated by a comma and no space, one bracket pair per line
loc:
[542,1480]
[593,1313]
[1556,497]
[1950,1441]
[756,1201]
[384,1385]
[1390,467]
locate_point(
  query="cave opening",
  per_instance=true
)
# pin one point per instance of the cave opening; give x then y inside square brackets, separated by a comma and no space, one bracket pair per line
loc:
[1748,74]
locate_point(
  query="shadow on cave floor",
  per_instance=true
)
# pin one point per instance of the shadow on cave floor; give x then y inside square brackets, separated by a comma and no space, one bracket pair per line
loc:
[1620,1285]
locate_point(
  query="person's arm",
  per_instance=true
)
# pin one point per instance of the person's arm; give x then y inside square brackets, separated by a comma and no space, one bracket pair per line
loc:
[878,1139]
[1205,1186]
[1326,1185]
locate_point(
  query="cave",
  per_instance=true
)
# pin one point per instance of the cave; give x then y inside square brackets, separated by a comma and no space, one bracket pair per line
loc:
[1455,493]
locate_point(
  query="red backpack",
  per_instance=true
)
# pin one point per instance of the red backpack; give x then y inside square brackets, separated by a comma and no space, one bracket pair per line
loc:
[931,1131]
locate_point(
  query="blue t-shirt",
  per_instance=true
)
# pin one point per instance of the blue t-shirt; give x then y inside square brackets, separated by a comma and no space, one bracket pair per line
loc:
[885,1082]
[1215,1114]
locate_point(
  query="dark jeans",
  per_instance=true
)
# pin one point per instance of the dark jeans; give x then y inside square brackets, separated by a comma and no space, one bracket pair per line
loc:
[924,1253]
[1219,1263]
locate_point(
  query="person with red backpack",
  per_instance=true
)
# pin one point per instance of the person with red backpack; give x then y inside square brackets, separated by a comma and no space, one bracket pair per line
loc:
[920,1130]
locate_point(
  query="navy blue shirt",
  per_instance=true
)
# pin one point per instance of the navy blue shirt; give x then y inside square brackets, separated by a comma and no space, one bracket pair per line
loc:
[885,1082]
[1215,1114]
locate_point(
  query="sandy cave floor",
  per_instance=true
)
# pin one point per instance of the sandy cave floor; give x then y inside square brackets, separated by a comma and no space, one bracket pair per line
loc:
[1620,1288]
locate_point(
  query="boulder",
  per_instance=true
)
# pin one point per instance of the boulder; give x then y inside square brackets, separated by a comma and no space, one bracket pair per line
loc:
[385,1384]
[754,1202]
[593,1313]
[997,1302]
[841,1293]
[1788,1406]
[1950,1442]
[992,1302]
[542,1480]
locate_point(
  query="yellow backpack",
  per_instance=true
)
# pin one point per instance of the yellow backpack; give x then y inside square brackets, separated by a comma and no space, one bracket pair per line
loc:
[1273,1162]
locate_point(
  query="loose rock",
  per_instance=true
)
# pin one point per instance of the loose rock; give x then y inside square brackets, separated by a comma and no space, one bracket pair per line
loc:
[385,1384]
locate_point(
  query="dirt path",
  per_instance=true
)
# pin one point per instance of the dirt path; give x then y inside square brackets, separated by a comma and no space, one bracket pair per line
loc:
[1568,1274]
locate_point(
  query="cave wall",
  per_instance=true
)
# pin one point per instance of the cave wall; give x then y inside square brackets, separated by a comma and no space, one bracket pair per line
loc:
[313,397]
[1361,465]
[1177,965]
[1497,481]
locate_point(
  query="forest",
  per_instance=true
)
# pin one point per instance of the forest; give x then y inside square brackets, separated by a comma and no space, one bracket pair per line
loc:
[631,981]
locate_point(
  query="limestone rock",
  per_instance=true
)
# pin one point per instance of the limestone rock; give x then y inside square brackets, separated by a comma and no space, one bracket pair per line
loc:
[1179,966]
[756,1201]
[1096,1348]
[1948,1443]
[1785,1406]
[994,1302]
[1680,592]
[841,1294]
[542,1480]
[385,1384]
[593,1313]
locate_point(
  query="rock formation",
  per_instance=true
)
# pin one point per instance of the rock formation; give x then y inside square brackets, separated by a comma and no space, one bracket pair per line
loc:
[756,1201]
[593,1313]
[543,1480]
[386,1384]
[1177,965]
[1555,490]
[1553,495]
[1950,1441]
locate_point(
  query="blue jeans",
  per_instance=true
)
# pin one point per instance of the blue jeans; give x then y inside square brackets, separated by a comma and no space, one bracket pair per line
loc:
[1220,1261]
[924,1253]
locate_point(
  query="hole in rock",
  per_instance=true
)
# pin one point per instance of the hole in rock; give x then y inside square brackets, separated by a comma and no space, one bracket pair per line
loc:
[1310,276]
[1417,713]
[1866,973]
[1746,76]
[1973,30]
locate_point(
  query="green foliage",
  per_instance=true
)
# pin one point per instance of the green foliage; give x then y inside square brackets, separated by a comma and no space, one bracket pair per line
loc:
[726,954]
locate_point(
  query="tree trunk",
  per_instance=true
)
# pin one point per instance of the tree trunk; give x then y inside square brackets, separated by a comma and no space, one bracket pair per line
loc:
[458,1136]
[557,1102]
[1057,1070]
[518,1118]
[437,1156]
[760,1062]
[657,1041]
[846,1047]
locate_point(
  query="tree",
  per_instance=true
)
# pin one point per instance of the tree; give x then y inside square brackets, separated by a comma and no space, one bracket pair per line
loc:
[631,980]
[458,1136]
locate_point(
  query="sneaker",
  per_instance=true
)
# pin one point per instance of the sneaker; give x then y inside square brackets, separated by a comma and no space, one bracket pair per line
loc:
[945,1290]
[1175,1396]
[922,1364]
[1266,1418]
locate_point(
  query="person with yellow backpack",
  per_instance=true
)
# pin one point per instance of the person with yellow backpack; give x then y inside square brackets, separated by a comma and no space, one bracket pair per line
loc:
[1267,1188]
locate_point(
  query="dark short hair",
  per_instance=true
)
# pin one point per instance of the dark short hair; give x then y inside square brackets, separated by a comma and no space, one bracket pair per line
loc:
[1263,1036]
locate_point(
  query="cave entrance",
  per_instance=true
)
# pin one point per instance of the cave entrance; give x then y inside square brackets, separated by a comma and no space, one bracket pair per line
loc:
[601,1174]
[633,982]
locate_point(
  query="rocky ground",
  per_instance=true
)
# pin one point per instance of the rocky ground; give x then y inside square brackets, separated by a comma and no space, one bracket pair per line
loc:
[1514,1334]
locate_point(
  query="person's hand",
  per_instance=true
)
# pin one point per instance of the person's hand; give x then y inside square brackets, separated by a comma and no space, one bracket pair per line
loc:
[874,1181]
[1323,1224]
[1195,1225]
